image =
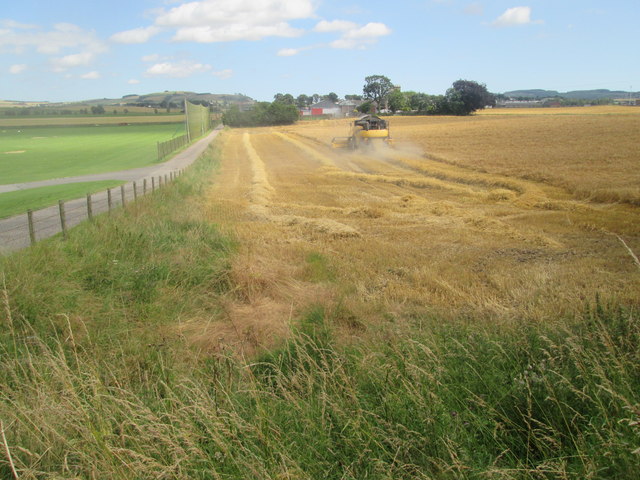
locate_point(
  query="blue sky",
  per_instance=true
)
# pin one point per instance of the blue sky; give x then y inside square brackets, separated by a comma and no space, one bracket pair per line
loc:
[68,50]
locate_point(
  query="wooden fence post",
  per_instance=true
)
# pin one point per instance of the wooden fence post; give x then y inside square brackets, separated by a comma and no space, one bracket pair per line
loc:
[135,192]
[159,181]
[63,219]
[89,207]
[32,230]
[122,194]
[109,198]
[144,186]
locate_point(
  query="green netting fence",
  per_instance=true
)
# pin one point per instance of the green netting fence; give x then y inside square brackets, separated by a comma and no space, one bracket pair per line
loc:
[198,120]
[197,123]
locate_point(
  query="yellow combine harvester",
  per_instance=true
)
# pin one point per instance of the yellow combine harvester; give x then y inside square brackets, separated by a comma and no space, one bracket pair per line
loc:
[364,132]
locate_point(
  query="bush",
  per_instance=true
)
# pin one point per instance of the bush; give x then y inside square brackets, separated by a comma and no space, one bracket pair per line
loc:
[263,114]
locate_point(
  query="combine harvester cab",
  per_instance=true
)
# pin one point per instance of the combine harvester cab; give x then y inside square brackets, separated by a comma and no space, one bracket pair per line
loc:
[365,133]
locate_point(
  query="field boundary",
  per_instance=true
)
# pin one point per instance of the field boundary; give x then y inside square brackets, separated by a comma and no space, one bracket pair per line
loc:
[20,231]
[167,147]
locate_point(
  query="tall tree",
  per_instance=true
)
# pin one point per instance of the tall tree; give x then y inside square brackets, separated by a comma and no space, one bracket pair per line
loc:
[397,101]
[467,96]
[303,100]
[376,88]
[332,96]
[286,98]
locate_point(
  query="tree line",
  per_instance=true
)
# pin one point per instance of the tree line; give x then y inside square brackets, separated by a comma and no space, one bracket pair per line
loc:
[261,114]
[462,98]
[378,94]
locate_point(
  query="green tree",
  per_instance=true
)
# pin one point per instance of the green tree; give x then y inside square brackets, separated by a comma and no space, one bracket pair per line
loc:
[303,100]
[262,114]
[467,96]
[397,101]
[282,114]
[364,107]
[285,98]
[332,96]
[376,88]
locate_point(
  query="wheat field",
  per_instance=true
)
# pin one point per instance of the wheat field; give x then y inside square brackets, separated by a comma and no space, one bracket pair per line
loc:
[496,217]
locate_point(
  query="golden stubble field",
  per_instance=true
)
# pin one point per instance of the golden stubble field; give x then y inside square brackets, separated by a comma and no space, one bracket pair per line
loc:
[505,218]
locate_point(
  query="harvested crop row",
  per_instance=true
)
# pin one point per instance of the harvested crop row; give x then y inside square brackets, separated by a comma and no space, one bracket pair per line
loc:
[262,192]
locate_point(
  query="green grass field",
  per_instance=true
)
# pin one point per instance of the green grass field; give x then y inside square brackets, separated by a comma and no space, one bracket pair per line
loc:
[14,203]
[41,153]
[79,120]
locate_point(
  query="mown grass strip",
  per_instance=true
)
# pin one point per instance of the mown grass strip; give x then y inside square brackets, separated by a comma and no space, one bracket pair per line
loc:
[14,203]
[41,153]
[82,120]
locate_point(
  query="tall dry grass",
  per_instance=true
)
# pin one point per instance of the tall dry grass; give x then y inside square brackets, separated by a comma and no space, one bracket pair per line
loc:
[425,401]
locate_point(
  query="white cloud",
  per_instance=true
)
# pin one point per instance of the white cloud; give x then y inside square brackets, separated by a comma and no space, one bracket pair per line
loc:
[334,26]
[209,21]
[224,74]
[133,81]
[19,39]
[17,69]
[289,52]
[63,36]
[181,69]
[61,64]
[234,32]
[514,16]
[360,37]
[352,35]
[91,75]
[137,35]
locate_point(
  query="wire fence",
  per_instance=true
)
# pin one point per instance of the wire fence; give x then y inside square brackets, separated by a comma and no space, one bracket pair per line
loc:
[170,146]
[24,230]
[198,121]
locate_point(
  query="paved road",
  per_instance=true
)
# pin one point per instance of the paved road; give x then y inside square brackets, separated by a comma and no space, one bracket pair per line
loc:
[14,231]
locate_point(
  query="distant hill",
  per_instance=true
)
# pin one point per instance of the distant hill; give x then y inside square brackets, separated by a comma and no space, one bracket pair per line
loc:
[535,94]
[162,99]
[153,100]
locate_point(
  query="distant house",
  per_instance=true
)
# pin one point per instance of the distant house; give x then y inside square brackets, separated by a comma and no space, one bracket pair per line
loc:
[520,104]
[626,101]
[348,107]
[344,108]
[324,107]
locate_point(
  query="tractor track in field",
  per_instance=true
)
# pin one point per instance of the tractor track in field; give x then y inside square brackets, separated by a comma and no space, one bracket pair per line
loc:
[284,164]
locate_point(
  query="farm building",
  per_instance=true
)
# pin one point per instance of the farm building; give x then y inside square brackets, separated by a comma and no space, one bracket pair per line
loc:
[345,108]
[348,107]
[324,107]
[627,101]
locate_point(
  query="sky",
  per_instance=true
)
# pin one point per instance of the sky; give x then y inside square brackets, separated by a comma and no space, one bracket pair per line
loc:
[70,50]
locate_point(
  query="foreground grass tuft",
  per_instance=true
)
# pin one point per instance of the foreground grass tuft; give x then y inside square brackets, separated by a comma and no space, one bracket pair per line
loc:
[451,402]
